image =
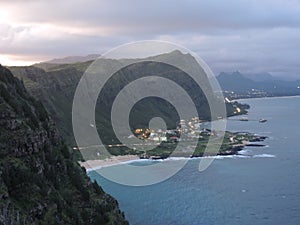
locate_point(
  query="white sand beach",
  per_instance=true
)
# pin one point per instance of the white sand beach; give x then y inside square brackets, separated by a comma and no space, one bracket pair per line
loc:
[114,160]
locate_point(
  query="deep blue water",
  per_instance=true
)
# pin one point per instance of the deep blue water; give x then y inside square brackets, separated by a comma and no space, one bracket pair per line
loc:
[252,190]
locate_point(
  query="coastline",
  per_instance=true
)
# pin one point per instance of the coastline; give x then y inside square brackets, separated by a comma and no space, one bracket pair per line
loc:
[92,165]
[233,151]
[267,97]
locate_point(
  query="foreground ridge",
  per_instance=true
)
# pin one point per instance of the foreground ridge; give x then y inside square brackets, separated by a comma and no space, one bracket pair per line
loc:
[40,181]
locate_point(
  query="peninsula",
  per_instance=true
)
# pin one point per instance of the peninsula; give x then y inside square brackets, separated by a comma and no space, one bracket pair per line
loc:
[163,144]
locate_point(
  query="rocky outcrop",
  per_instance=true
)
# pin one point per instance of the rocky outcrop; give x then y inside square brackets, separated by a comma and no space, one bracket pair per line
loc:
[55,89]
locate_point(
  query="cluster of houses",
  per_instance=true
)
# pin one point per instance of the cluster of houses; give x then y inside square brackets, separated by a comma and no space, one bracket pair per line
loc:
[190,128]
[253,93]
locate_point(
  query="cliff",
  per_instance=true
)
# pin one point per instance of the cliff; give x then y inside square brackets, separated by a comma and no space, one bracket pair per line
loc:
[40,182]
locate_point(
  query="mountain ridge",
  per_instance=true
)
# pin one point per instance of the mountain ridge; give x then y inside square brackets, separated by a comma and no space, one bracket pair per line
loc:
[73,59]
[237,85]
[56,86]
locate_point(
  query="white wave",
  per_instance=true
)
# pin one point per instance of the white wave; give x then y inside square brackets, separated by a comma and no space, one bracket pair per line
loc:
[187,158]
[243,155]
[94,168]
[224,157]
[245,152]
[264,156]
[176,158]
[133,161]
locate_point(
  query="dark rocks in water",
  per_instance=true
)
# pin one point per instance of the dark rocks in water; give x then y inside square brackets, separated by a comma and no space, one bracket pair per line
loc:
[233,151]
[258,138]
[255,145]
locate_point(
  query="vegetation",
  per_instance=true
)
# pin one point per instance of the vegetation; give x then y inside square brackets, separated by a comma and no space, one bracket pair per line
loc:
[231,144]
[40,179]
[54,85]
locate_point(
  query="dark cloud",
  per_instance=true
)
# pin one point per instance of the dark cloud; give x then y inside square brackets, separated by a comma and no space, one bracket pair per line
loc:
[169,14]
[248,35]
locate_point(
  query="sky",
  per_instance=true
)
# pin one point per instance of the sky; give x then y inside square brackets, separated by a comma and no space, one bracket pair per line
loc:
[250,36]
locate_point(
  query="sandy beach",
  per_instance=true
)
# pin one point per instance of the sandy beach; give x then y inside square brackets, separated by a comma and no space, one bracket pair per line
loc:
[114,160]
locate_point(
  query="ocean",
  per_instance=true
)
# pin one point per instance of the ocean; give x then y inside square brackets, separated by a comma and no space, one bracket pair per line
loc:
[260,187]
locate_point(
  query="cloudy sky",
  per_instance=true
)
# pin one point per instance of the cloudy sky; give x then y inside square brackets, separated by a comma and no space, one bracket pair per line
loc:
[246,35]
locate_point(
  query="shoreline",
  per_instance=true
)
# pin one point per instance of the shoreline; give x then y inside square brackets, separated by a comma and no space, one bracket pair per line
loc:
[267,97]
[92,165]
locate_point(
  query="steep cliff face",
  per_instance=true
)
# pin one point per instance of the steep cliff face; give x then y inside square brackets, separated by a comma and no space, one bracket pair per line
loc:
[40,183]
[55,89]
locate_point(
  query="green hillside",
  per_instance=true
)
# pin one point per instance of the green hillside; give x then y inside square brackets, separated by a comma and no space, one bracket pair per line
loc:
[40,182]
[55,84]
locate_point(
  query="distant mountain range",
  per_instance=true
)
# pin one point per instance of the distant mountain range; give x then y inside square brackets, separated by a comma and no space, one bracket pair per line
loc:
[260,76]
[238,85]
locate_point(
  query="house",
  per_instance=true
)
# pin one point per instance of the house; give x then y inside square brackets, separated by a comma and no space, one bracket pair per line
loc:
[174,139]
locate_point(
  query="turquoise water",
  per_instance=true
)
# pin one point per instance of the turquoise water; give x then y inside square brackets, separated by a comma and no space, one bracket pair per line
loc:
[263,188]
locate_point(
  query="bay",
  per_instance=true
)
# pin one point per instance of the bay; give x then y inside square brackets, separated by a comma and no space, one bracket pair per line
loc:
[262,188]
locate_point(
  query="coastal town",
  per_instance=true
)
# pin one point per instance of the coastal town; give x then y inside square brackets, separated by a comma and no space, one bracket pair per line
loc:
[190,127]
[193,134]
